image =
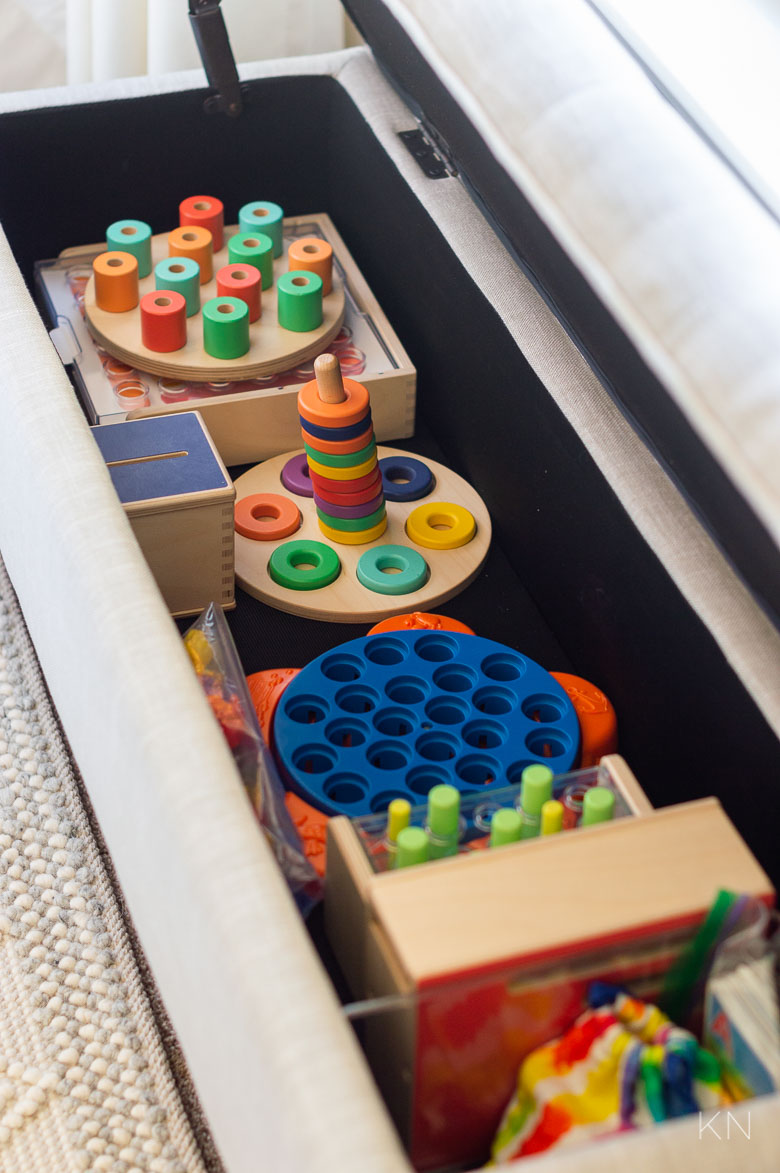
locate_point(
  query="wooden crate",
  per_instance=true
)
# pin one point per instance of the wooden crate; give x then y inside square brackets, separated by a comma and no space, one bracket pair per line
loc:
[179,500]
[479,958]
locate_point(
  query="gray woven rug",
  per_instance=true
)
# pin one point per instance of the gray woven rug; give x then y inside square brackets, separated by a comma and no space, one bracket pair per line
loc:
[90,1074]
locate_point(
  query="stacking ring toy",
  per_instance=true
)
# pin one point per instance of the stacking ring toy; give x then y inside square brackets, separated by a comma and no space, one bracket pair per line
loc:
[343,474]
[266,517]
[295,476]
[362,537]
[416,479]
[341,460]
[350,411]
[304,565]
[410,567]
[459,525]
[349,524]
[337,447]
[348,510]
[340,433]
[327,487]
[366,492]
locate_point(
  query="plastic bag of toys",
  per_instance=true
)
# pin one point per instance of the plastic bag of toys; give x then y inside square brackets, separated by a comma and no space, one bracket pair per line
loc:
[215,659]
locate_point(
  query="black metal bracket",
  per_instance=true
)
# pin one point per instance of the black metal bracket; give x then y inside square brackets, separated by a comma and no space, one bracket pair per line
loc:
[211,36]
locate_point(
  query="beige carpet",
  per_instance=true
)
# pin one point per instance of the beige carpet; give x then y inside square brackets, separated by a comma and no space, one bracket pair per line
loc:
[90,1074]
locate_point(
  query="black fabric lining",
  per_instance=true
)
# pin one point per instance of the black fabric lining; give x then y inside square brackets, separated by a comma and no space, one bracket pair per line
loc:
[569,581]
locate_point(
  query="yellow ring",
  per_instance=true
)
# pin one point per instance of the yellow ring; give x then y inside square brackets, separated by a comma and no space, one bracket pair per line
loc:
[343,474]
[460,524]
[345,537]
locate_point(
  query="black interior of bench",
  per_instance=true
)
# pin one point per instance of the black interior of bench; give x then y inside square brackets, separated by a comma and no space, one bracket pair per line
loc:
[569,580]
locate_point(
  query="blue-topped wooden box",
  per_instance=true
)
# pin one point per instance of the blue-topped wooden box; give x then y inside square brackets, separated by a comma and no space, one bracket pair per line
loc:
[179,500]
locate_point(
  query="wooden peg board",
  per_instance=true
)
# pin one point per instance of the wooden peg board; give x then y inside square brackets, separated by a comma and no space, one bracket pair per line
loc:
[271,348]
[346,600]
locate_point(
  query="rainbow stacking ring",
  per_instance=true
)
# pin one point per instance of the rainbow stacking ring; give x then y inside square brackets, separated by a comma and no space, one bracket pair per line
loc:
[392,570]
[404,478]
[295,476]
[348,510]
[348,433]
[304,565]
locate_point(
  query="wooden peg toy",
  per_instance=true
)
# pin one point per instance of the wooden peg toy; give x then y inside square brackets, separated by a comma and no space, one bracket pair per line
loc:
[116,282]
[315,256]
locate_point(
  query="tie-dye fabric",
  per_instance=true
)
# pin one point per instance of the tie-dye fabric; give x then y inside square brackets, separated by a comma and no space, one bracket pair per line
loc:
[621,1066]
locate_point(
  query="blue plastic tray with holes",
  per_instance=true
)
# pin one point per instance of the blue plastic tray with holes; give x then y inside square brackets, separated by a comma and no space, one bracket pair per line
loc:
[391,715]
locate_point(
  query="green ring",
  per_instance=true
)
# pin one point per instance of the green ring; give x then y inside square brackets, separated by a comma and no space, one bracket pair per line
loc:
[353,523]
[260,255]
[343,460]
[413,570]
[299,301]
[283,570]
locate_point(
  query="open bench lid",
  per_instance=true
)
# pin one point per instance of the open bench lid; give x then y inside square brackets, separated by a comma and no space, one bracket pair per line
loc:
[658,260]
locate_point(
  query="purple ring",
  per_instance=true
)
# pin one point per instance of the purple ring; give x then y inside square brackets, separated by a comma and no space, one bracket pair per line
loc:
[295,476]
[349,510]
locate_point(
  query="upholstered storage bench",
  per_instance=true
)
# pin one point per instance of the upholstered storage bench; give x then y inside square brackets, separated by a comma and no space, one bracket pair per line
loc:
[591,305]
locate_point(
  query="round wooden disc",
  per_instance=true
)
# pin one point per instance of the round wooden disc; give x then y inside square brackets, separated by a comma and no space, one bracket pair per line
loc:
[347,600]
[271,348]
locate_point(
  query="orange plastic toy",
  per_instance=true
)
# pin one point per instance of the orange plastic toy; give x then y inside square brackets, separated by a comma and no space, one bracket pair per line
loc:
[598,721]
[413,620]
[265,689]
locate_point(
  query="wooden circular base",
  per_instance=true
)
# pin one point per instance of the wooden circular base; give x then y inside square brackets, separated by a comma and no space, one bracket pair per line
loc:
[346,600]
[271,348]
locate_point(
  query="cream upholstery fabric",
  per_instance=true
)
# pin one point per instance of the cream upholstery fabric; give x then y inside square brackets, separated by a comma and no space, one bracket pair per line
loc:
[679,251]
[277,1070]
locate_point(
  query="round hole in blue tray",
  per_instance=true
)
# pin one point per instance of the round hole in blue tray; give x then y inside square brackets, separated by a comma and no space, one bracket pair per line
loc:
[407,690]
[447,710]
[436,648]
[383,650]
[477,769]
[340,667]
[357,698]
[543,708]
[313,759]
[306,710]
[437,747]
[346,733]
[548,743]
[503,666]
[422,778]
[484,734]
[395,722]
[455,677]
[345,789]
[389,755]
[494,701]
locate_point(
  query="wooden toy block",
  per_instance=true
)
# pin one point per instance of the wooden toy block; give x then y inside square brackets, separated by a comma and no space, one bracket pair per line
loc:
[271,347]
[254,420]
[479,958]
[347,600]
[179,500]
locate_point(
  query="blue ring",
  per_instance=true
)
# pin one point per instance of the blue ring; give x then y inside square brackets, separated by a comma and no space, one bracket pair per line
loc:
[412,568]
[420,480]
[348,433]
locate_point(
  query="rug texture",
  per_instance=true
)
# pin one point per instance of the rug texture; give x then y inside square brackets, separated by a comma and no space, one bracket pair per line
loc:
[90,1074]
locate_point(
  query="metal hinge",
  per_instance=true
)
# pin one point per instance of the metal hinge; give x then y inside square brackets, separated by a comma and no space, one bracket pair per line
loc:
[431,154]
[211,36]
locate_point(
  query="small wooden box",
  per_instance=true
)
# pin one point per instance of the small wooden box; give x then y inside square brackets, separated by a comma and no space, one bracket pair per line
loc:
[179,499]
[486,955]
